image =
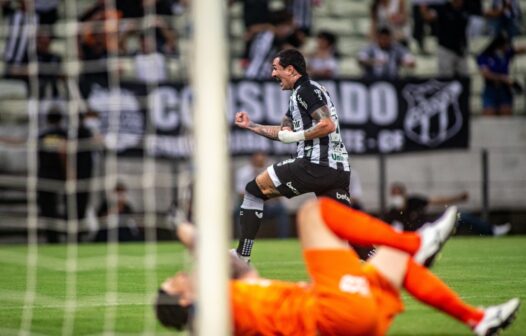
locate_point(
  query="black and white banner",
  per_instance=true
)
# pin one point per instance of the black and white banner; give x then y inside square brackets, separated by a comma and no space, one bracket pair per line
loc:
[375,117]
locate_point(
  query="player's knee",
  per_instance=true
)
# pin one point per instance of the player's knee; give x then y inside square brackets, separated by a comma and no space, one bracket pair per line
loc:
[253,189]
[308,212]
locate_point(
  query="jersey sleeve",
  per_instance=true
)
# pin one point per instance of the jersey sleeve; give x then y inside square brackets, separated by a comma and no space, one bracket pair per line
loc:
[310,98]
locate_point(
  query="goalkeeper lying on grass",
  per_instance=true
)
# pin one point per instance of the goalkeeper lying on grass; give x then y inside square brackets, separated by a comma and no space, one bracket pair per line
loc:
[345,296]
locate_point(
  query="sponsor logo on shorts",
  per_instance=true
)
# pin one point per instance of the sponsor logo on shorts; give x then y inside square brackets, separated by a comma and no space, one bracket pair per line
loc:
[291,187]
[259,214]
[354,285]
[343,197]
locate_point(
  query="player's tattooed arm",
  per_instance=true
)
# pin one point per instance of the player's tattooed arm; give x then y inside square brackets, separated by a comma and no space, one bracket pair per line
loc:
[271,132]
[268,131]
[286,124]
[324,124]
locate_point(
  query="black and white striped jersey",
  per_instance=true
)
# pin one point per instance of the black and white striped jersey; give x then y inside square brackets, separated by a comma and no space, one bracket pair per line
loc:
[306,97]
[18,36]
[261,53]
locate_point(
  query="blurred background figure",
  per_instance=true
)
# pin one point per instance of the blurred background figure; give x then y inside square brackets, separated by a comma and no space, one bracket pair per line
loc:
[49,65]
[301,11]
[19,17]
[150,65]
[274,209]
[451,19]
[505,17]
[87,145]
[99,38]
[256,18]
[51,174]
[267,43]
[323,63]
[421,27]
[393,15]
[383,58]
[117,205]
[494,65]
[356,191]
[47,11]
[408,212]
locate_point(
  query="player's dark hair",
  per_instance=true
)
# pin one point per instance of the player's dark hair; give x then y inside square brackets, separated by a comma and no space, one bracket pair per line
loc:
[293,57]
[171,313]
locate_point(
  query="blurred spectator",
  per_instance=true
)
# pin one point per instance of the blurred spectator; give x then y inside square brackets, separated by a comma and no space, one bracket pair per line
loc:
[477,21]
[494,63]
[274,208]
[99,37]
[356,191]
[118,205]
[393,15]
[82,172]
[164,36]
[267,44]
[323,64]
[301,11]
[419,24]
[256,19]
[51,171]
[49,66]
[408,212]
[150,65]
[19,17]
[451,19]
[382,59]
[505,16]
[47,11]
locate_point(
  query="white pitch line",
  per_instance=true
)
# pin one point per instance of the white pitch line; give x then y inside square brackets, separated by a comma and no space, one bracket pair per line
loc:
[90,263]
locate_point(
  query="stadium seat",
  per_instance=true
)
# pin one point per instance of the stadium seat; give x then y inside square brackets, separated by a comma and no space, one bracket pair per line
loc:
[12,89]
[236,28]
[425,65]
[340,26]
[236,10]
[349,67]
[349,9]
[349,46]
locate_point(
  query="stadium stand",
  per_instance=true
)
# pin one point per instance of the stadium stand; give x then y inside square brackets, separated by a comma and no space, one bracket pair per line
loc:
[348,19]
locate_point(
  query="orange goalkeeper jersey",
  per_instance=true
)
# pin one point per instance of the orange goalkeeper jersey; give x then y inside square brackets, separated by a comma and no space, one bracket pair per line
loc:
[270,307]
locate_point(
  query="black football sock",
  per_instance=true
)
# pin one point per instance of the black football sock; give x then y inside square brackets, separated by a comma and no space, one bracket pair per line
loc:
[250,221]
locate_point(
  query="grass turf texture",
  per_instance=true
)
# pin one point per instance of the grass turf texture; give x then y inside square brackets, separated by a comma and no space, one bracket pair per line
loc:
[484,270]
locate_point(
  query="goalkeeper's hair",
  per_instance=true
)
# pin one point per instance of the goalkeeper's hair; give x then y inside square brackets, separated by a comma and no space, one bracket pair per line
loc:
[171,313]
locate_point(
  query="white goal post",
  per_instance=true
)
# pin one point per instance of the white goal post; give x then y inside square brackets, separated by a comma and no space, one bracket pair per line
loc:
[211,203]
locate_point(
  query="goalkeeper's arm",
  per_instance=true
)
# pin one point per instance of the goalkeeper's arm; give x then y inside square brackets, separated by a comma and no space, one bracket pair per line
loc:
[185,231]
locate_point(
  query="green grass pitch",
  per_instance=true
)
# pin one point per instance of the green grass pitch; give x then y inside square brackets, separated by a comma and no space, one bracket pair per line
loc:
[483,270]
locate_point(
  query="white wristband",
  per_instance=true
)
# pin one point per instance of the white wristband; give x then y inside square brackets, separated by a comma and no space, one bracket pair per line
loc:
[290,137]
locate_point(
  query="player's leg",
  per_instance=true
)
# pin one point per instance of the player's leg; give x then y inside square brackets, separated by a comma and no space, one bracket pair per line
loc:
[343,296]
[402,271]
[280,179]
[362,229]
[251,212]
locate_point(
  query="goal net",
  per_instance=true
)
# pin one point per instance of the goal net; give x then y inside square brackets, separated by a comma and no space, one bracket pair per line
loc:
[91,96]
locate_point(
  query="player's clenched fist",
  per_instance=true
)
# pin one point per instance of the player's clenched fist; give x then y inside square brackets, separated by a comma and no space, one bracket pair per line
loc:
[242,120]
